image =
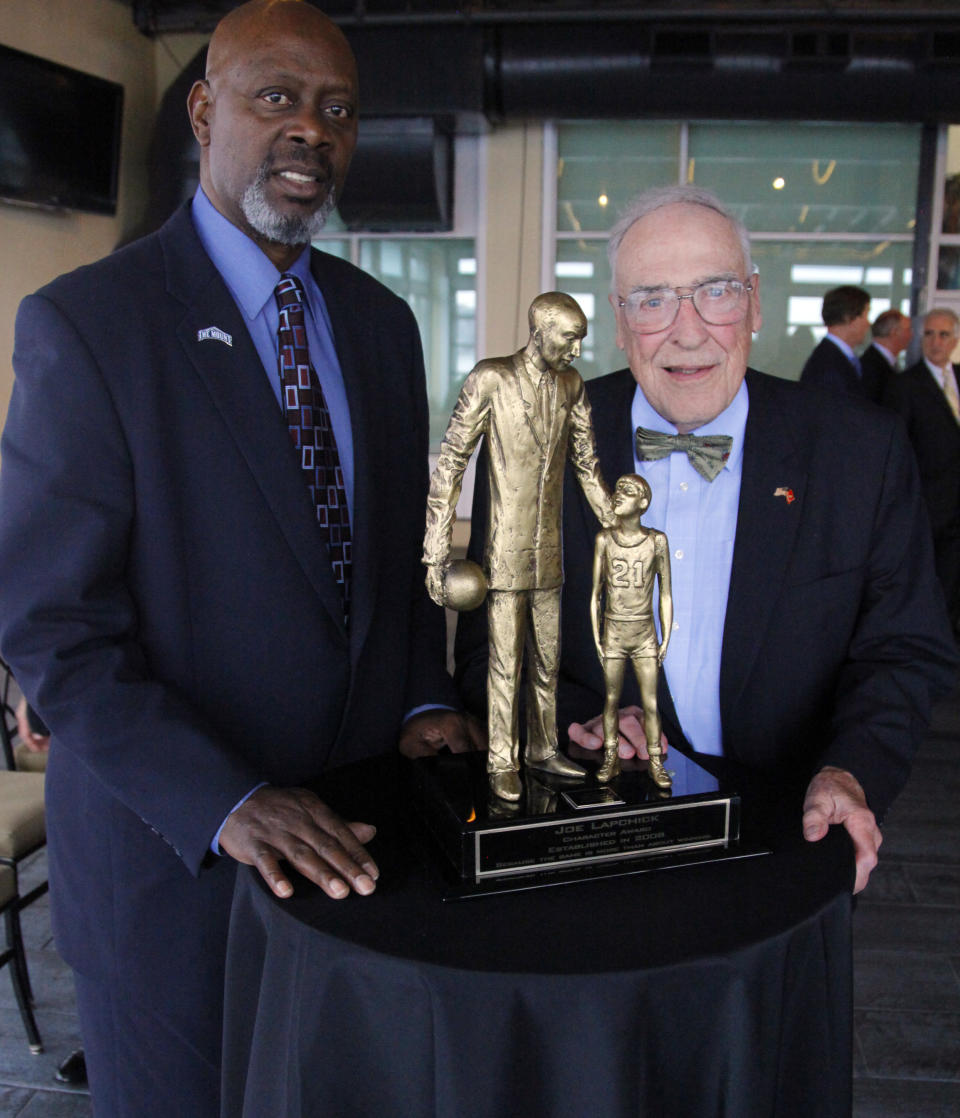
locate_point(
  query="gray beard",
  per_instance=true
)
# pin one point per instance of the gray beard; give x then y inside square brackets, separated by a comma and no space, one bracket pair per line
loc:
[292,229]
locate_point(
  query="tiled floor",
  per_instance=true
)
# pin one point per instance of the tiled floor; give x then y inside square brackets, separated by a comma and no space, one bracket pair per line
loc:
[906,945]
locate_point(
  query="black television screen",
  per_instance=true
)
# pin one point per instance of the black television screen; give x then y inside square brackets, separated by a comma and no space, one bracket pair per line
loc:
[59,135]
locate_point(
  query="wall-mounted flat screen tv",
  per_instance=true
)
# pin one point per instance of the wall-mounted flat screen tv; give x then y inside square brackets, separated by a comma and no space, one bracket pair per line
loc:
[59,135]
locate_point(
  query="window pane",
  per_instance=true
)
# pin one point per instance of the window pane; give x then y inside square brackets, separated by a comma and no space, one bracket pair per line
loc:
[951,187]
[583,273]
[335,248]
[811,178]
[437,277]
[794,277]
[601,165]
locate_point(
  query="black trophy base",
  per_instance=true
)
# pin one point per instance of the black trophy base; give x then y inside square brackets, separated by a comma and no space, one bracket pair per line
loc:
[566,830]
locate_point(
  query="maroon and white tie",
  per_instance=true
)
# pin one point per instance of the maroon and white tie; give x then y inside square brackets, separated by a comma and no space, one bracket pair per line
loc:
[308,421]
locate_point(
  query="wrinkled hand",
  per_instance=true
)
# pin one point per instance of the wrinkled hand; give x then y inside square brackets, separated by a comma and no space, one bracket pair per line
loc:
[434,582]
[292,824]
[36,743]
[427,733]
[835,796]
[633,739]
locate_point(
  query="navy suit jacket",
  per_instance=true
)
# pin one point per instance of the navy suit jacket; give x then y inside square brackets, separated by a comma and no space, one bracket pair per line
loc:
[828,367]
[167,602]
[935,436]
[835,639]
[877,374]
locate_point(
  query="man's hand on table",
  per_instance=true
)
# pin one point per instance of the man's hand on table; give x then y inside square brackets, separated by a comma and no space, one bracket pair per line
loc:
[633,739]
[835,796]
[293,825]
[427,733]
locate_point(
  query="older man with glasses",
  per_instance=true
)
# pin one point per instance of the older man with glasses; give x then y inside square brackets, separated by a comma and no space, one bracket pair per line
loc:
[809,637]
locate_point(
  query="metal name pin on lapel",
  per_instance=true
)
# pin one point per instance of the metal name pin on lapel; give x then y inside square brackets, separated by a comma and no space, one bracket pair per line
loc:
[786,494]
[214,333]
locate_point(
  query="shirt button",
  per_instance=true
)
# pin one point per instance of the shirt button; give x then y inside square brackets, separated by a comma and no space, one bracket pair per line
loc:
[678,554]
[684,486]
[676,626]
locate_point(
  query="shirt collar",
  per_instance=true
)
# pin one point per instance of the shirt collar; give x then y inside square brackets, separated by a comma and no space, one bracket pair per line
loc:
[935,369]
[731,421]
[246,269]
[846,350]
[891,358]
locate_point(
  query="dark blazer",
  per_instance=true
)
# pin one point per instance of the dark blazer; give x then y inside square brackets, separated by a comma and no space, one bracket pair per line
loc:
[166,600]
[828,367]
[835,640]
[877,373]
[935,436]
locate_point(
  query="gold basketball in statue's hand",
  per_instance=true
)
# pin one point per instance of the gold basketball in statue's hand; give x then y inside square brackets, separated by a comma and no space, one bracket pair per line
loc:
[464,584]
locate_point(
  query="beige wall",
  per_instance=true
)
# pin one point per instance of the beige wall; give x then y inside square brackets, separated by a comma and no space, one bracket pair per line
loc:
[99,37]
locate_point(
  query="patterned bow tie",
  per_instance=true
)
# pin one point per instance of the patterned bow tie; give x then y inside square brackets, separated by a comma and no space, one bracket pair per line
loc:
[706,453]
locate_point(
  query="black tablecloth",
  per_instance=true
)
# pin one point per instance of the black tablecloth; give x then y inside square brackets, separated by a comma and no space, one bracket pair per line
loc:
[721,989]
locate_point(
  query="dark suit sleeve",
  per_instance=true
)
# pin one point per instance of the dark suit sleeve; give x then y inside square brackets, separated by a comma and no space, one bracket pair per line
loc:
[900,656]
[68,622]
[428,682]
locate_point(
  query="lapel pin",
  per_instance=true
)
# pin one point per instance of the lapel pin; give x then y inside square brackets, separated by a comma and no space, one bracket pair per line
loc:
[214,333]
[786,494]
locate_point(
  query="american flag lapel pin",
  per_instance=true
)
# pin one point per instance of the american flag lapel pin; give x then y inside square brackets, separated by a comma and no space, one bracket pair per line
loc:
[786,494]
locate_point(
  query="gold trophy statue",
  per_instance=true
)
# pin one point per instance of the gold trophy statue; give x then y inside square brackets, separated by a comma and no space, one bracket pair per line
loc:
[532,409]
[626,560]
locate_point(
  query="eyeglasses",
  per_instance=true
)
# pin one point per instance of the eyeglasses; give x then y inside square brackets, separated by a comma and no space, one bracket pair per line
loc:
[718,302]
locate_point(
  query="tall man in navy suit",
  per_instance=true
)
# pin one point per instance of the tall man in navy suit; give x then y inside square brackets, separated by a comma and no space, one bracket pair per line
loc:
[809,636]
[834,364]
[168,602]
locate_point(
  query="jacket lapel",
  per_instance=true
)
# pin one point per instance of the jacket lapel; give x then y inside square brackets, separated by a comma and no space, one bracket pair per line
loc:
[233,375]
[772,492]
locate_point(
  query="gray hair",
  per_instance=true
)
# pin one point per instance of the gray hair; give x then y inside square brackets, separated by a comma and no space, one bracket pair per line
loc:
[947,313]
[660,196]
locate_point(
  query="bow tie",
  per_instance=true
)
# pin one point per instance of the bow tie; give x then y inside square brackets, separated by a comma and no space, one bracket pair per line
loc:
[706,453]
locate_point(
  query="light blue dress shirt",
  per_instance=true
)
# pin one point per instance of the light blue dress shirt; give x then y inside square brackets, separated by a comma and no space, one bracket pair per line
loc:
[846,350]
[251,278]
[700,520]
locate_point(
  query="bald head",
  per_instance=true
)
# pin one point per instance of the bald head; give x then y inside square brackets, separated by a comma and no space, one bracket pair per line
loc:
[557,327]
[276,120]
[252,20]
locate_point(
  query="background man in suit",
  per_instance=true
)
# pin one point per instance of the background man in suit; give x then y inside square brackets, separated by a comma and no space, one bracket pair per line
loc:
[808,636]
[892,333]
[834,364]
[168,601]
[926,396]
[532,409]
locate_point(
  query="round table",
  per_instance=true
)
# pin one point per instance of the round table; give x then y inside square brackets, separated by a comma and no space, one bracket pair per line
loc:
[717,989]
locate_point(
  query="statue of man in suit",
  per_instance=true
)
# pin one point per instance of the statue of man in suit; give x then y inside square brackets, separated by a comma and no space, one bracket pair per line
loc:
[533,411]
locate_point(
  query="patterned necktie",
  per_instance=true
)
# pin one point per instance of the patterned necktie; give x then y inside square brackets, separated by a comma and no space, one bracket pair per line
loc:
[308,421]
[706,453]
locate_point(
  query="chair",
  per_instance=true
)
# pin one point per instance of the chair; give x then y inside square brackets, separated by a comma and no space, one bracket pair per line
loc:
[23,831]
[16,756]
[13,953]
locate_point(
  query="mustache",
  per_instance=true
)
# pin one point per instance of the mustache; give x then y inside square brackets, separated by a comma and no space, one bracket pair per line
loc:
[314,163]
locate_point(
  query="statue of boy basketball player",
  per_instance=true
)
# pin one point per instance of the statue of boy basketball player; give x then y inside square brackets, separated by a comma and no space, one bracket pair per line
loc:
[625,561]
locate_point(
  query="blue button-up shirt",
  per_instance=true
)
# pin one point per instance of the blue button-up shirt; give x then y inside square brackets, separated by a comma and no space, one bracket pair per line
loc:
[700,520]
[251,278]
